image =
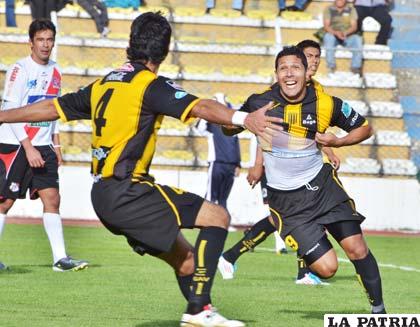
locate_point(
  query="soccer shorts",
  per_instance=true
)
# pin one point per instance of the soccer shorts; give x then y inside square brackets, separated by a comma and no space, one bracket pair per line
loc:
[149,215]
[264,191]
[16,176]
[303,213]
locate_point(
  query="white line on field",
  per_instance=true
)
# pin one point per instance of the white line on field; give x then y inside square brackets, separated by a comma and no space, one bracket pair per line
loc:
[385,265]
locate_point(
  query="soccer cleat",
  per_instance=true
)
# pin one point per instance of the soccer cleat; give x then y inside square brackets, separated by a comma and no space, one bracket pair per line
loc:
[226,268]
[209,317]
[281,251]
[310,279]
[69,264]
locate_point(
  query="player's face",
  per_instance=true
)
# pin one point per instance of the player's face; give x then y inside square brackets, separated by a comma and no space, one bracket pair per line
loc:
[291,76]
[313,56]
[41,46]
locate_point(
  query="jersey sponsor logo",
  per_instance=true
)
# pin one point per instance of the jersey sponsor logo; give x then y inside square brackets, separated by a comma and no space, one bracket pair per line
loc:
[14,187]
[180,94]
[40,124]
[127,67]
[346,109]
[174,85]
[32,84]
[354,119]
[309,120]
[14,73]
[116,76]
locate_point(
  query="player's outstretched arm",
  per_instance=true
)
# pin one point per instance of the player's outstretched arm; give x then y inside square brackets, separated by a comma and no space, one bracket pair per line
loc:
[39,111]
[355,136]
[256,121]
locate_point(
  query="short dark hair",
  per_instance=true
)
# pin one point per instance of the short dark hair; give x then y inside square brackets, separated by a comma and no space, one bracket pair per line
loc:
[149,38]
[41,25]
[292,51]
[308,44]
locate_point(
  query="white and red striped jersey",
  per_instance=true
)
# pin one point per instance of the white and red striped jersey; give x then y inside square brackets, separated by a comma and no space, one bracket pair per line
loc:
[28,82]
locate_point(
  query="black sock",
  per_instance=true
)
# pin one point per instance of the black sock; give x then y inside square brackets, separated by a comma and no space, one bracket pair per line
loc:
[208,247]
[184,283]
[302,267]
[368,274]
[256,235]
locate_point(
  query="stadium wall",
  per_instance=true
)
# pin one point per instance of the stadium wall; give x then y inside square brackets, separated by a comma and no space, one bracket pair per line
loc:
[388,204]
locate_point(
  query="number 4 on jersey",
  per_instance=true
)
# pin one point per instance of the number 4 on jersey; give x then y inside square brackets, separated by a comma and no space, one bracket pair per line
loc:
[99,120]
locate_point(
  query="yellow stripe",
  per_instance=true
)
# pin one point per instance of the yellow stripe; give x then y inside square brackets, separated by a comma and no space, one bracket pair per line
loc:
[324,110]
[201,250]
[59,110]
[199,288]
[258,237]
[175,210]
[337,180]
[279,218]
[184,117]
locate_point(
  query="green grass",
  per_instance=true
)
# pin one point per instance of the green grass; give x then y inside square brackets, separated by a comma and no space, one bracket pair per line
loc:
[123,289]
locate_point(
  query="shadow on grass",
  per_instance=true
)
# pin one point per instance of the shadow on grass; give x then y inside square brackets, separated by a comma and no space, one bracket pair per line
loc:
[15,270]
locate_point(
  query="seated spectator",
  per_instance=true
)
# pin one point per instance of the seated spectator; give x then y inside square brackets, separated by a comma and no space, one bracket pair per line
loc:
[236,5]
[99,13]
[41,9]
[378,10]
[10,13]
[340,25]
[298,6]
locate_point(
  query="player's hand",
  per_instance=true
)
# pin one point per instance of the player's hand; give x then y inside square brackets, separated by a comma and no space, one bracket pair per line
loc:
[254,175]
[328,139]
[335,161]
[59,156]
[257,121]
[34,158]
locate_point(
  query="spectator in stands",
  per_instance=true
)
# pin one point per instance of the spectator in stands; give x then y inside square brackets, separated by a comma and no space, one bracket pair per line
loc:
[340,25]
[99,13]
[378,10]
[41,9]
[10,13]
[236,5]
[298,6]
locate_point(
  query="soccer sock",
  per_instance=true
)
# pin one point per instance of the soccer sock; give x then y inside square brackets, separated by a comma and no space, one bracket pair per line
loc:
[184,283]
[2,219]
[54,230]
[256,235]
[208,247]
[302,267]
[369,277]
[279,242]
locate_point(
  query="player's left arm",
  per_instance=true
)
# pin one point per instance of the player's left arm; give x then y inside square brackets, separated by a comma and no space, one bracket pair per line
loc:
[72,106]
[345,117]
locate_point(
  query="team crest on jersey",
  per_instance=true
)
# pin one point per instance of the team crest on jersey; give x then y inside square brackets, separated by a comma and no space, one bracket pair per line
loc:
[180,94]
[173,84]
[346,109]
[309,120]
[32,84]
[127,67]
[14,187]
[56,82]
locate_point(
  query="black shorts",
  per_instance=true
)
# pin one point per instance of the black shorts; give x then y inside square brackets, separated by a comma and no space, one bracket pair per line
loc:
[303,213]
[16,176]
[149,215]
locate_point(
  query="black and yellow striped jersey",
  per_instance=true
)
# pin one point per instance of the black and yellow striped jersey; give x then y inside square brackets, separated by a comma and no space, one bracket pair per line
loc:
[126,108]
[315,113]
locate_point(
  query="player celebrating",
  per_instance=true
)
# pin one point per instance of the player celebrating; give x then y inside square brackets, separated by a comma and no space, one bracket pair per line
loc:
[127,107]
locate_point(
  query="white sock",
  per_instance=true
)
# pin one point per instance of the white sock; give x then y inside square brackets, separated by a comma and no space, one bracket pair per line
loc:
[2,219]
[54,230]
[279,242]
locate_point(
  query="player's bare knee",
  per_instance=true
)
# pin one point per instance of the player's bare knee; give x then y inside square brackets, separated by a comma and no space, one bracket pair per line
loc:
[213,215]
[327,270]
[357,252]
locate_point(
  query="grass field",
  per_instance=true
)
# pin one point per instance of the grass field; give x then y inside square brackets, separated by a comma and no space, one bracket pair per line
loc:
[123,289]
